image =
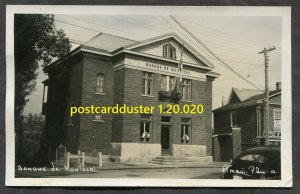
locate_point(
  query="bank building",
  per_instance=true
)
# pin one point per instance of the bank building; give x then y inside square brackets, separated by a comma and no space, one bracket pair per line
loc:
[109,70]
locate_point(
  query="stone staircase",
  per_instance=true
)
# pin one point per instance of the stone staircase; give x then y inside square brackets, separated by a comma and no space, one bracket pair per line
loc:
[170,160]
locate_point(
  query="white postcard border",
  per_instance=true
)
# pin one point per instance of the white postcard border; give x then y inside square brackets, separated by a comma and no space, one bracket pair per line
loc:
[286,155]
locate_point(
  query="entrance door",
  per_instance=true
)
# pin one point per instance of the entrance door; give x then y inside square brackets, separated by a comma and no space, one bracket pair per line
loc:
[165,140]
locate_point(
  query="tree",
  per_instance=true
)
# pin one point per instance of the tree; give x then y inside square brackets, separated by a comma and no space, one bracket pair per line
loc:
[36,41]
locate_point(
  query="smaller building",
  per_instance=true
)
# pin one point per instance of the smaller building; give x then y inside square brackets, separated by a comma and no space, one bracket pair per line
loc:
[239,125]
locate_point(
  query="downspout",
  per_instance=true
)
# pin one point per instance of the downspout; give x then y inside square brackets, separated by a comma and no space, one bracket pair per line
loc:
[257,123]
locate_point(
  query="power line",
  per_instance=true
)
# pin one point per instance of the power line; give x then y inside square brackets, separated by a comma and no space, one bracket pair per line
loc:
[115,29]
[211,52]
[206,51]
[188,38]
[139,24]
[228,34]
[76,25]
[78,42]
[152,27]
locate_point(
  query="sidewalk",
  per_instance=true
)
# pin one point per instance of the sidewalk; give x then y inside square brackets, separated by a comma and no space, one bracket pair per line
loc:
[120,166]
[61,171]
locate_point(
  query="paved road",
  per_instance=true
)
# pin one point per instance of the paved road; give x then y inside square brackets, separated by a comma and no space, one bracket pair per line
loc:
[178,173]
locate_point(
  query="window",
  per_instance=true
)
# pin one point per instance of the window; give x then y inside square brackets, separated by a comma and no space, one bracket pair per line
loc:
[167,83]
[185,130]
[233,119]
[255,158]
[147,83]
[145,128]
[186,89]
[98,117]
[166,119]
[100,83]
[169,51]
[277,118]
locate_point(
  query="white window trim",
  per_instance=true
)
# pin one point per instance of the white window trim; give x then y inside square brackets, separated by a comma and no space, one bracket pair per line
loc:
[190,90]
[102,94]
[98,120]
[189,123]
[274,113]
[146,85]
[231,121]
[98,82]
[144,121]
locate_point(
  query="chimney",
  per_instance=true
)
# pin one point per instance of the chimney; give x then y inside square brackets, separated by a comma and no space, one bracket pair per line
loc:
[278,85]
[223,101]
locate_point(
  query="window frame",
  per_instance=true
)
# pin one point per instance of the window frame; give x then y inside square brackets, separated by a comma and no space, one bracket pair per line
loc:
[147,76]
[186,86]
[100,81]
[277,110]
[183,124]
[167,83]
[231,119]
[169,51]
[98,119]
[144,122]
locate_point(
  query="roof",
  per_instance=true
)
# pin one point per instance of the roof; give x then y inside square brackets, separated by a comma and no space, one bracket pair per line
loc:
[250,101]
[243,94]
[111,45]
[108,42]
[179,40]
[267,150]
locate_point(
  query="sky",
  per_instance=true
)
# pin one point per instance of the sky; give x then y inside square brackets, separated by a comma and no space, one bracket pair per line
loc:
[235,39]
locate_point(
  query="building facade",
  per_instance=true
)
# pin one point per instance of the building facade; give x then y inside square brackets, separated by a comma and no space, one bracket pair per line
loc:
[109,70]
[239,125]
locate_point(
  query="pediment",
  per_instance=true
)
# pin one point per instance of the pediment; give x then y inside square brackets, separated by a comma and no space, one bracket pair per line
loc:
[155,46]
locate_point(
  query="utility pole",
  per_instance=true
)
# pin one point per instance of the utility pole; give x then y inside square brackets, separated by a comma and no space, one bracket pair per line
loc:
[266,51]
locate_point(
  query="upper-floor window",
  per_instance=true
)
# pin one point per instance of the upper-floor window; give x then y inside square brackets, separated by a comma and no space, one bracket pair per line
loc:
[169,51]
[233,119]
[167,83]
[147,83]
[186,89]
[277,118]
[100,83]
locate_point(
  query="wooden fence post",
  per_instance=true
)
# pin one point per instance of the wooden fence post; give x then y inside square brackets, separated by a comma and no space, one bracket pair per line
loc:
[83,158]
[99,159]
[68,159]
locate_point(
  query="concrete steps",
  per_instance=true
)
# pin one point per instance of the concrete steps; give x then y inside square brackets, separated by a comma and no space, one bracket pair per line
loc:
[169,160]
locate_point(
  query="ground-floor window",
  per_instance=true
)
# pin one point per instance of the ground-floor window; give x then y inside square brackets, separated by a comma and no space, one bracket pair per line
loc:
[98,117]
[186,127]
[146,121]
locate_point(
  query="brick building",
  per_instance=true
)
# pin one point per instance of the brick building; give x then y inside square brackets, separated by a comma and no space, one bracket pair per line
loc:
[239,125]
[109,70]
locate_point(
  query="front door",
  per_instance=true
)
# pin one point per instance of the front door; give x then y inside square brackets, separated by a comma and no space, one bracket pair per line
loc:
[165,140]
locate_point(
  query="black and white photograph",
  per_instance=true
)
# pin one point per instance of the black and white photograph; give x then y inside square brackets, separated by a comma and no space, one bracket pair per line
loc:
[148,96]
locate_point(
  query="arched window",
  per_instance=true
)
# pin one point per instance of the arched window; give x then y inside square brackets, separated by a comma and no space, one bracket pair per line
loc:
[100,83]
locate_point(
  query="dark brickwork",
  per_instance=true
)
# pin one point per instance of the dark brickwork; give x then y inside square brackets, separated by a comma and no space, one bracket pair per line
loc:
[73,124]
[124,86]
[94,134]
[201,124]
[61,93]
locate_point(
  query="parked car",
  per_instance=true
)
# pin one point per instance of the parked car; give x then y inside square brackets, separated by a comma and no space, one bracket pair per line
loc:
[255,163]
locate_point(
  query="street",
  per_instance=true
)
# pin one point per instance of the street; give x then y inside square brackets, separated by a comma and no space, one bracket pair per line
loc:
[167,173]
